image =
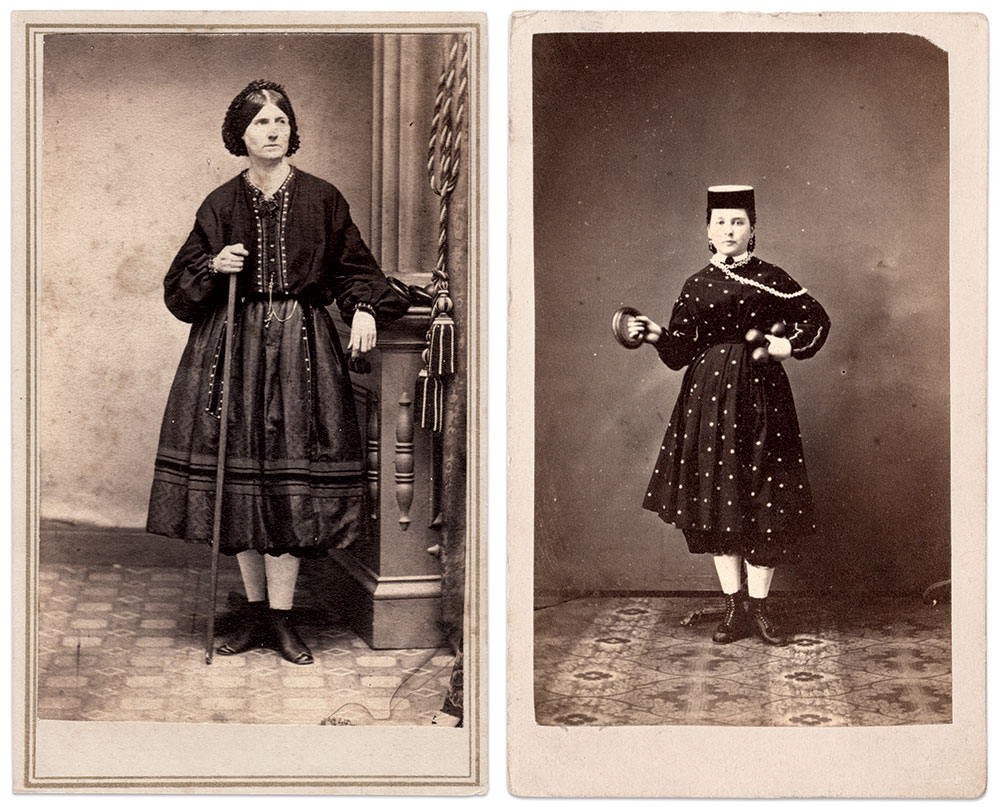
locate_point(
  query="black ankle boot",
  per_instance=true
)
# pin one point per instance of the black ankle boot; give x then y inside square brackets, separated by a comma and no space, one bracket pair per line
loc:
[288,641]
[766,627]
[251,631]
[733,626]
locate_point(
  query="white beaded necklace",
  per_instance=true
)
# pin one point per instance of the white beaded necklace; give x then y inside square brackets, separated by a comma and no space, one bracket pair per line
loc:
[748,282]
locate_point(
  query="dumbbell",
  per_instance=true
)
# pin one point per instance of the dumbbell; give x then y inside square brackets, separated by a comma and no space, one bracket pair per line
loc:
[757,341]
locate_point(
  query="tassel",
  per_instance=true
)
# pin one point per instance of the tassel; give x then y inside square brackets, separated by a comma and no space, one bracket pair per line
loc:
[441,361]
[430,401]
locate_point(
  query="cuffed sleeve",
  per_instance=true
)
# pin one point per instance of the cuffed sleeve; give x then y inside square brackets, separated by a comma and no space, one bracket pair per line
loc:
[808,326]
[190,289]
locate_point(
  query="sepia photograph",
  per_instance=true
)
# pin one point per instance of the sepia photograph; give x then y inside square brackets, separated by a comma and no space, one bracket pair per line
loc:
[741,258]
[253,362]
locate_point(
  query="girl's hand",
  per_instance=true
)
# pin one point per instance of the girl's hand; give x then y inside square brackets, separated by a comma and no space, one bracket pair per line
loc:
[363,333]
[646,328]
[778,348]
[229,261]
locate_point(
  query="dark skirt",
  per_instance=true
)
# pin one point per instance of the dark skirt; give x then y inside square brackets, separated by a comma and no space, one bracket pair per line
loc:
[730,471]
[293,478]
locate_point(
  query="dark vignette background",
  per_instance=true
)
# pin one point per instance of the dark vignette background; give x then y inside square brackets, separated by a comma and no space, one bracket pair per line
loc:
[845,137]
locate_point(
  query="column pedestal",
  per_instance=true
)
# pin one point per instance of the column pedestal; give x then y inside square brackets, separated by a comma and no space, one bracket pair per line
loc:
[387,585]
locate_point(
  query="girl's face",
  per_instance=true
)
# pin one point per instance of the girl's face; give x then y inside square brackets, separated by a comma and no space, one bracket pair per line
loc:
[730,231]
[267,135]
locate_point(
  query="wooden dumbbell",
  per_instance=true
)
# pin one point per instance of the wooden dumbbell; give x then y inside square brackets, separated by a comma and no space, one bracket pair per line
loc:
[757,343]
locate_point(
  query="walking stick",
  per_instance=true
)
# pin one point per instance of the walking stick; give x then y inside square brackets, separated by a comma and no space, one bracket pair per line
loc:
[220,468]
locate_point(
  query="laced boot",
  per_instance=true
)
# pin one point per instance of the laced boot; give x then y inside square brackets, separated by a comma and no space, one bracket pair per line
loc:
[250,633]
[290,644]
[764,623]
[733,626]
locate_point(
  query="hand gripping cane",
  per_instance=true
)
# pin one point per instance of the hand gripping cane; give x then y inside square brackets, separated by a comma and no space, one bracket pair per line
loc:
[220,468]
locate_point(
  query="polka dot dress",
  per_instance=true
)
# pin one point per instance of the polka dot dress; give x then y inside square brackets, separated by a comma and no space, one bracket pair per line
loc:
[730,470]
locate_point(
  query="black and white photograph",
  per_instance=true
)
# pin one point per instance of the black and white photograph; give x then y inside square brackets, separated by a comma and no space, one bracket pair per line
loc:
[741,261]
[253,372]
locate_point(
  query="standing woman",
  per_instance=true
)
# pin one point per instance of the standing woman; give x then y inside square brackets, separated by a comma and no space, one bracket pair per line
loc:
[293,479]
[730,471]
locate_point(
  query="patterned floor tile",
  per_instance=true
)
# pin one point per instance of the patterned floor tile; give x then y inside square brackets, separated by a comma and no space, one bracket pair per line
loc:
[125,644]
[912,701]
[599,677]
[806,712]
[866,663]
[592,712]
[818,679]
[691,700]
[702,658]
[900,660]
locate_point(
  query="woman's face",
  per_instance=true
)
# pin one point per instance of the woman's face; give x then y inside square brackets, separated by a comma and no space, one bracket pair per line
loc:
[730,231]
[266,137]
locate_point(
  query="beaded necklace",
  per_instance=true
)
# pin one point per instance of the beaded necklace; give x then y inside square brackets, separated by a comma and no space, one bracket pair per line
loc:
[746,281]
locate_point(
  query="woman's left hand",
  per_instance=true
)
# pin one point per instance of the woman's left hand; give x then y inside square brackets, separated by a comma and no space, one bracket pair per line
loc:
[363,333]
[778,348]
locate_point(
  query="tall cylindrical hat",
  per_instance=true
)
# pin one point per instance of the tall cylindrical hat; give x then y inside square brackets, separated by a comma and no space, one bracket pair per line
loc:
[731,197]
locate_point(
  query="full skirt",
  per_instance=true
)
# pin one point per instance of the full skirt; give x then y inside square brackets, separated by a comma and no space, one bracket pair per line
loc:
[293,472]
[730,472]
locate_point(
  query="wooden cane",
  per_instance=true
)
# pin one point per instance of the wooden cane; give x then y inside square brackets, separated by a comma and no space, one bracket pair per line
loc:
[220,468]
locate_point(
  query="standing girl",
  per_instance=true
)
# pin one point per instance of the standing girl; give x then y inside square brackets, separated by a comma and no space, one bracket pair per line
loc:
[730,472]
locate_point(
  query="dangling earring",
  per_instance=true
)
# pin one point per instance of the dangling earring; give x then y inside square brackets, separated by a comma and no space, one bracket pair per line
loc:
[752,244]
[711,247]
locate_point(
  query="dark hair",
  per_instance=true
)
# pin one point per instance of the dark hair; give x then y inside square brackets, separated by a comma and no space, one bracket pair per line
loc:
[244,108]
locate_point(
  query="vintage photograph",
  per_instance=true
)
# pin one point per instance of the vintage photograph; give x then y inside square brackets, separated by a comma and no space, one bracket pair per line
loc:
[254,360]
[741,438]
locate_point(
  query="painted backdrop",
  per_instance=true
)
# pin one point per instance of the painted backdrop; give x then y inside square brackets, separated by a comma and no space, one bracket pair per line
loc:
[132,144]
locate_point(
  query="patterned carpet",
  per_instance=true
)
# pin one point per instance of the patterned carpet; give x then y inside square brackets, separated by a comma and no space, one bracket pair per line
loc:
[630,661]
[122,643]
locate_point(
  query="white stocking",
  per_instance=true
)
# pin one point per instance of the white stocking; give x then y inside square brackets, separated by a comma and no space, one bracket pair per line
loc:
[282,572]
[759,580]
[728,569]
[252,570]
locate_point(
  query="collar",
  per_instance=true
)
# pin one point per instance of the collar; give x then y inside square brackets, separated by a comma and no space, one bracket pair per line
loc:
[719,261]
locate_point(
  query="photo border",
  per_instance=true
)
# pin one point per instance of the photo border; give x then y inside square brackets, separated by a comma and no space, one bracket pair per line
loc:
[79,756]
[705,761]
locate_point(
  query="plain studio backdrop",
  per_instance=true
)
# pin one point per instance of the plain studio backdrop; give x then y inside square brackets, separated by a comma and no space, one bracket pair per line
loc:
[845,138]
[132,145]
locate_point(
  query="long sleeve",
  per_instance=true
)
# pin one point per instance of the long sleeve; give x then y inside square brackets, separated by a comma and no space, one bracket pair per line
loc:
[190,290]
[355,274]
[808,326]
[678,343]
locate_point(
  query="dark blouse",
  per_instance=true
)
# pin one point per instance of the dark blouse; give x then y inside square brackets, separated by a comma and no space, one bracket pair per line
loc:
[308,246]
[716,306]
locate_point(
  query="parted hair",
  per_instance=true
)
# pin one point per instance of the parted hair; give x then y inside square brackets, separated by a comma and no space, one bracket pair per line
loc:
[244,108]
